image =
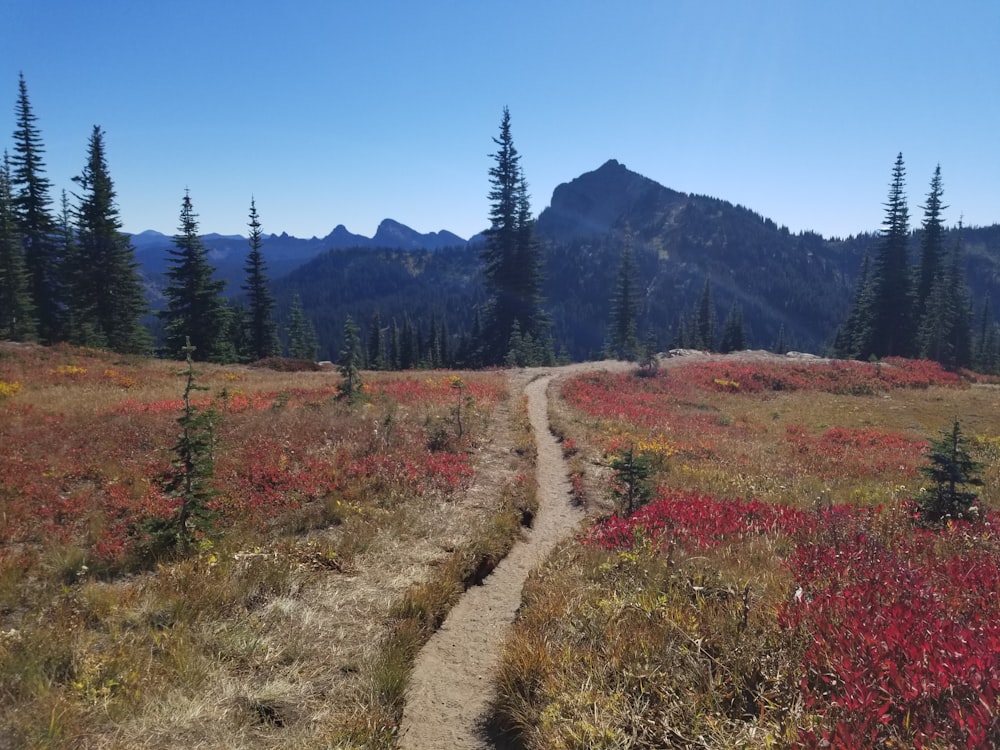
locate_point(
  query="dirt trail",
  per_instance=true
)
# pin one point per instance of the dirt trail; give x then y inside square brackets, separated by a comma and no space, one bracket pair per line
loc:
[451,682]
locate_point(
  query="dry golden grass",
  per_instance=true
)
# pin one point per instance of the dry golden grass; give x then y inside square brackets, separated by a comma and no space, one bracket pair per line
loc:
[639,649]
[298,632]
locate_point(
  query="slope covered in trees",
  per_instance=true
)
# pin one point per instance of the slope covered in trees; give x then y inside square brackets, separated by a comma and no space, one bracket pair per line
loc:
[699,272]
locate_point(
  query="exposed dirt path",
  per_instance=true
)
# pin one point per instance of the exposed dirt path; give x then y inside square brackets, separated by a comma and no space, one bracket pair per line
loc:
[451,682]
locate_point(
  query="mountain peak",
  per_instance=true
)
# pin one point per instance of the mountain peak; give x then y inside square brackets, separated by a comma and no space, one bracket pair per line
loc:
[598,201]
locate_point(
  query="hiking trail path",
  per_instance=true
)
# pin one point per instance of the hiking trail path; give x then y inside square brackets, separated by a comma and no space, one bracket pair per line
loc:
[451,684]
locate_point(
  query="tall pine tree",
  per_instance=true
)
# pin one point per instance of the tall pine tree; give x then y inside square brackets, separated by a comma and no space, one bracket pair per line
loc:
[625,304]
[195,307]
[36,225]
[945,334]
[301,333]
[704,320]
[17,312]
[511,256]
[932,253]
[377,349]
[261,331]
[855,335]
[734,335]
[892,324]
[105,293]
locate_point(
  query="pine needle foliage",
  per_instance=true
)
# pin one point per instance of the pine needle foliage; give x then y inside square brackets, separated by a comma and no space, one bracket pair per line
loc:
[350,361]
[193,470]
[952,470]
[631,484]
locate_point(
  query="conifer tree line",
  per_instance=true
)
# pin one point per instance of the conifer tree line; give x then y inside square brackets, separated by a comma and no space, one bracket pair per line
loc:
[923,310]
[69,273]
[72,276]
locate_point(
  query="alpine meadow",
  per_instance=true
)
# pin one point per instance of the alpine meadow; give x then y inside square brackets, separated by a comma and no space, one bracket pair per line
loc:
[646,470]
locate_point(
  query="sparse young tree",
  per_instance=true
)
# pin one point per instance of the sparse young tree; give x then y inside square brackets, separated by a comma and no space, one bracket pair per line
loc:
[261,330]
[952,471]
[17,313]
[193,470]
[105,291]
[35,224]
[630,484]
[195,308]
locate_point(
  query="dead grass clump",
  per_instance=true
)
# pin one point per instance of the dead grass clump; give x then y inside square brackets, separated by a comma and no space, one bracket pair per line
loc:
[649,647]
[641,650]
[273,632]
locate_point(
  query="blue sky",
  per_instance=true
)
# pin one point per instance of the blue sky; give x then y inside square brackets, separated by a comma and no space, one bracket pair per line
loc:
[347,113]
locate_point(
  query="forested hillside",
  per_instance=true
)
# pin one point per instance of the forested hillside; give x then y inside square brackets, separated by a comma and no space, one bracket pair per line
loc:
[669,269]
[796,287]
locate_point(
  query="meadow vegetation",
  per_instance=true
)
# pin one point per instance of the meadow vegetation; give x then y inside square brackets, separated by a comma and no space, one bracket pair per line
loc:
[779,588]
[341,532]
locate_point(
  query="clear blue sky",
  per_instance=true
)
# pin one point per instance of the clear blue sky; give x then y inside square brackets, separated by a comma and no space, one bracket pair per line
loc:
[331,112]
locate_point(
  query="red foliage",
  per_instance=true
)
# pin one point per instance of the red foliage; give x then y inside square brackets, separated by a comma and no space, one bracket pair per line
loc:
[857,452]
[900,626]
[838,376]
[443,389]
[903,639]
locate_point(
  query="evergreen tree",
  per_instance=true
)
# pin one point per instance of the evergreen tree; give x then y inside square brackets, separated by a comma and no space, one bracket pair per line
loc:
[193,470]
[106,296]
[36,226]
[780,345]
[237,347]
[301,333]
[704,323]
[444,337]
[78,315]
[625,304]
[377,355]
[350,361]
[261,330]
[946,332]
[987,353]
[515,347]
[952,470]
[932,254]
[892,324]
[397,346]
[195,308]
[409,352]
[734,335]
[855,335]
[511,256]
[962,320]
[17,313]
[630,483]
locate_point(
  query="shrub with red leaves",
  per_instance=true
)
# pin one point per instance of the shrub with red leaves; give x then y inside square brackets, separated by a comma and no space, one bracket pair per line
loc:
[900,625]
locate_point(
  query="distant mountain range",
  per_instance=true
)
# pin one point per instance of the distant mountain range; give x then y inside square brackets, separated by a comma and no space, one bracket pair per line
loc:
[798,283]
[284,252]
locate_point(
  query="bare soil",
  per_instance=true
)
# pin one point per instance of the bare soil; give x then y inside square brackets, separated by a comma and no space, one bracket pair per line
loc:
[451,684]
